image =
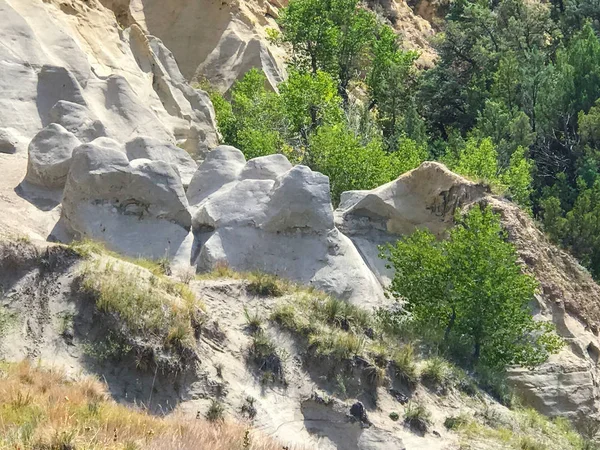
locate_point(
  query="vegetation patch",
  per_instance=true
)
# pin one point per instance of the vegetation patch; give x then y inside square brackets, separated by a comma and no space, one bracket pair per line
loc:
[44,409]
[145,310]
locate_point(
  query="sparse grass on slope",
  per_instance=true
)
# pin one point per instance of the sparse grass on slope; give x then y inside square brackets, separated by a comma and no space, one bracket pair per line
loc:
[143,305]
[87,248]
[42,409]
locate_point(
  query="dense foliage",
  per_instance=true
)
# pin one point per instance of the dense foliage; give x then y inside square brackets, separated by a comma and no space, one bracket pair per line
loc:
[471,288]
[513,100]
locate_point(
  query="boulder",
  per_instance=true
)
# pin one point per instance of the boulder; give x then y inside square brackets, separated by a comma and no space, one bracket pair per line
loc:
[266,215]
[50,156]
[221,166]
[425,197]
[265,167]
[8,142]
[138,207]
[239,50]
[77,119]
[300,200]
[144,147]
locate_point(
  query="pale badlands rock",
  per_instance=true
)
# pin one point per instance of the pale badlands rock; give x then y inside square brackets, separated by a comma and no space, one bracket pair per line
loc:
[77,119]
[425,197]
[144,147]
[137,208]
[50,156]
[238,51]
[266,215]
[231,40]
[8,142]
[82,71]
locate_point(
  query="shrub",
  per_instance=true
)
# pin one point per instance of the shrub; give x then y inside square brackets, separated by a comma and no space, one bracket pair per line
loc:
[394,416]
[253,320]
[215,411]
[417,417]
[472,287]
[436,371]
[263,352]
[266,285]
[456,422]
[405,368]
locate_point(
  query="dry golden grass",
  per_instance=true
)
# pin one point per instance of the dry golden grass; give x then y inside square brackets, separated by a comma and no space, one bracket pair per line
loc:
[42,409]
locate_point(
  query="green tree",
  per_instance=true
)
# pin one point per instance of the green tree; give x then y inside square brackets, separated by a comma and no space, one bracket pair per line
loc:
[328,35]
[472,287]
[392,84]
[336,152]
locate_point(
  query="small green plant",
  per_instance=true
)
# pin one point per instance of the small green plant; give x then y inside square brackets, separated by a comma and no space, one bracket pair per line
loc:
[215,411]
[263,353]
[405,368]
[529,443]
[66,322]
[266,285]
[394,416]
[254,320]
[113,347]
[456,422]
[248,407]
[437,373]
[417,417]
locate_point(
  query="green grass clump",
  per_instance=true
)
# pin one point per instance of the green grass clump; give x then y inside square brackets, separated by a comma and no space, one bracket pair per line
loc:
[405,367]
[148,306]
[215,411]
[437,373]
[87,248]
[264,354]
[266,285]
[417,417]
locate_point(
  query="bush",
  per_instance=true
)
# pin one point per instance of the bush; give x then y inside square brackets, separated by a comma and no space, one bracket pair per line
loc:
[456,422]
[405,368]
[266,285]
[417,417]
[215,411]
[472,287]
[437,373]
[263,353]
[394,416]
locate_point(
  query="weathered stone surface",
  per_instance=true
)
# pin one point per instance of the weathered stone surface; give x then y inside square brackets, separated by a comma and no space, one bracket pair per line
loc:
[144,147]
[266,215]
[221,166]
[50,156]
[238,51]
[124,86]
[265,167]
[138,208]
[300,200]
[8,141]
[425,197]
[77,119]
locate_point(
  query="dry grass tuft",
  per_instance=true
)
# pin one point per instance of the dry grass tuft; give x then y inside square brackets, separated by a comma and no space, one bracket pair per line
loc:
[154,308]
[42,409]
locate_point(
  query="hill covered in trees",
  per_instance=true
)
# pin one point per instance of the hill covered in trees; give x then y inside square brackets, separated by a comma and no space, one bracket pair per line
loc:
[511,101]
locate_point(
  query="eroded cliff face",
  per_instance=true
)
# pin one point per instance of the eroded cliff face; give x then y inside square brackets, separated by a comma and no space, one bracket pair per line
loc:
[95,115]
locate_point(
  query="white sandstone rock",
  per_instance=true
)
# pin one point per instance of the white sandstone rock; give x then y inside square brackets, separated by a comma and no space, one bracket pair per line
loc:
[138,208]
[425,197]
[265,167]
[267,215]
[8,142]
[50,156]
[221,166]
[77,119]
[155,150]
